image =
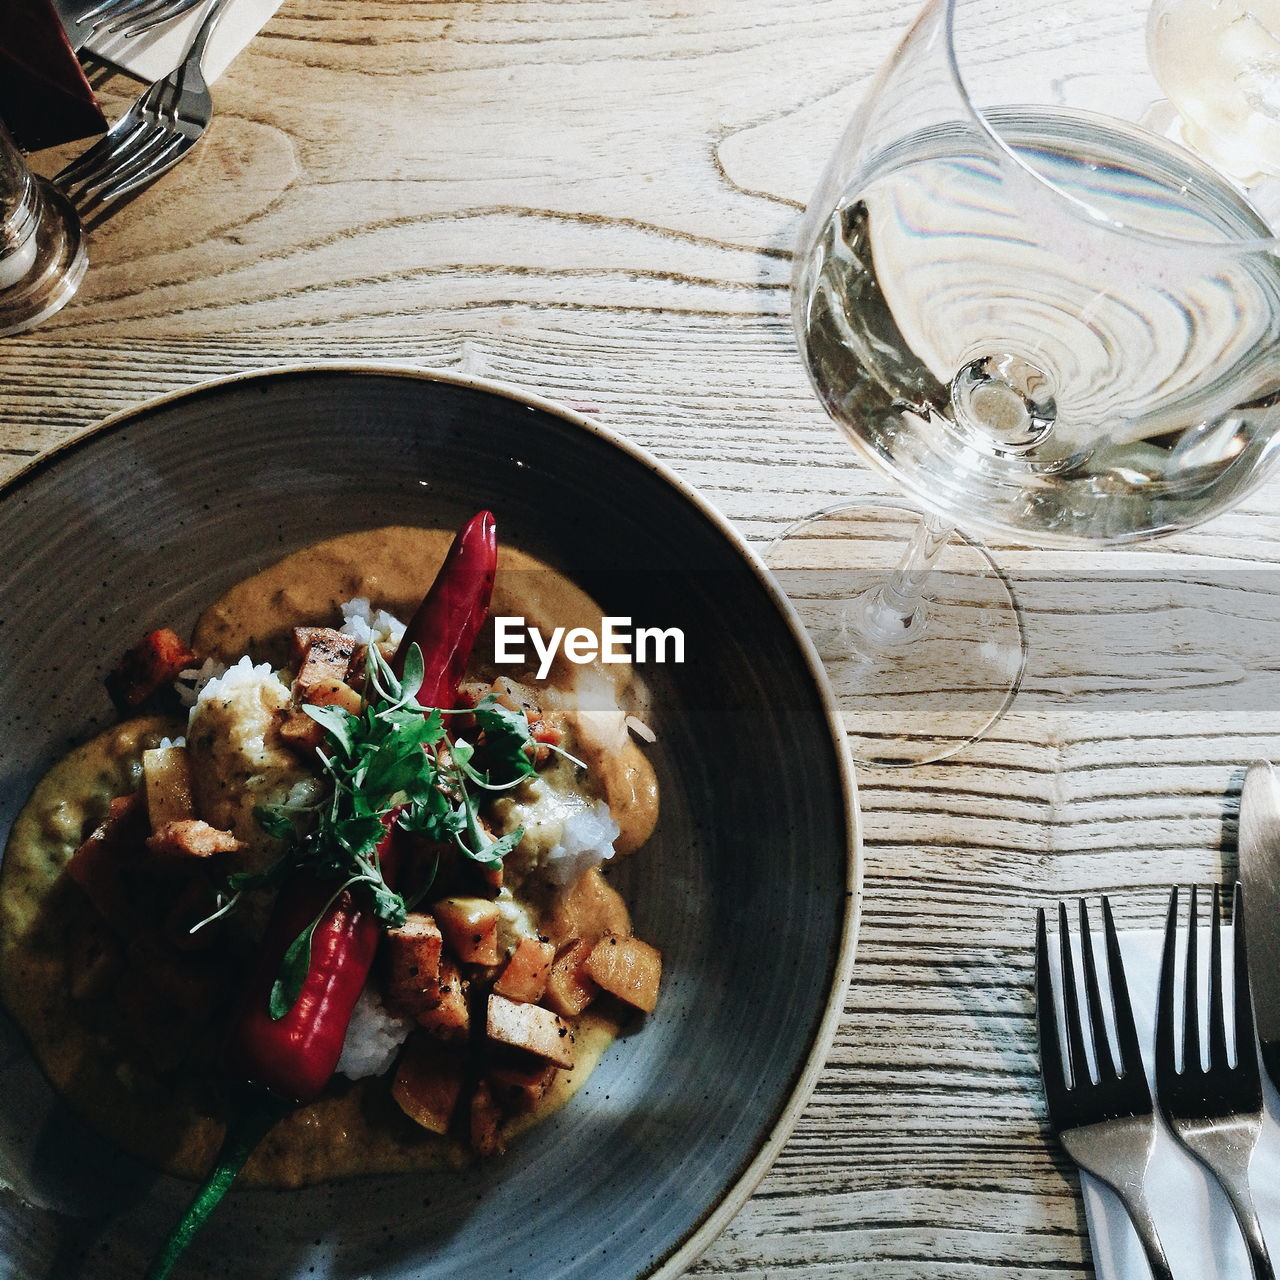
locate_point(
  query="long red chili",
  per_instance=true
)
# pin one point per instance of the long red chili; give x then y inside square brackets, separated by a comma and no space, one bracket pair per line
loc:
[292,1059]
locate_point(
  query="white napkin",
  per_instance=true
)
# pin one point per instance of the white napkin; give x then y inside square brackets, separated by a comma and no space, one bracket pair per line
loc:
[153,55]
[1191,1212]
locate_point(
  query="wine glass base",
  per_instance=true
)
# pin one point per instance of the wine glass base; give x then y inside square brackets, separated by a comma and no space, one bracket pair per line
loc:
[58,265]
[911,690]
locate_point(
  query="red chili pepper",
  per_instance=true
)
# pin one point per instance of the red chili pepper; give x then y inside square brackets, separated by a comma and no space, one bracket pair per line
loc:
[293,1058]
[448,621]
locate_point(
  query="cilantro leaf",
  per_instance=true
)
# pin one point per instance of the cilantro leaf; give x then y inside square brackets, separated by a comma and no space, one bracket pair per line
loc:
[293,973]
[336,722]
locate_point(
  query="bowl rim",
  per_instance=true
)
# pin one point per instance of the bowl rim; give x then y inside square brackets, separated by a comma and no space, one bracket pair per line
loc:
[717,1216]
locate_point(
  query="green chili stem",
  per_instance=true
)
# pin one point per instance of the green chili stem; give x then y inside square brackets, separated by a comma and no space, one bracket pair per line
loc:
[244,1132]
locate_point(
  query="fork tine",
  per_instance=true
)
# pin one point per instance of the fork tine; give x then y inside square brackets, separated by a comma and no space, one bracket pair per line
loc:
[107,17]
[167,11]
[149,12]
[102,155]
[1246,1039]
[1191,1057]
[1165,1037]
[1101,1047]
[1130,1059]
[1051,1065]
[1217,1013]
[86,162]
[1077,1061]
[146,169]
[137,158]
[138,138]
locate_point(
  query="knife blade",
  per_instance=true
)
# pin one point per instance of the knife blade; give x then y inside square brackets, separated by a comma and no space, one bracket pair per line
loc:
[1260,874]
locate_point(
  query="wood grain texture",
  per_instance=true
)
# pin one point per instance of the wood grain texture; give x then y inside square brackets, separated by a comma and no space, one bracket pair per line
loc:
[595,199]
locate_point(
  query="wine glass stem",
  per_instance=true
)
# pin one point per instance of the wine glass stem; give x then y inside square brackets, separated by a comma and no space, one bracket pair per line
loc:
[895,612]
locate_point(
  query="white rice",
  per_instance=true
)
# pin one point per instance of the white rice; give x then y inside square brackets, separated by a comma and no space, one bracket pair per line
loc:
[237,759]
[586,840]
[365,626]
[374,1037]
[193,681]
[228,682]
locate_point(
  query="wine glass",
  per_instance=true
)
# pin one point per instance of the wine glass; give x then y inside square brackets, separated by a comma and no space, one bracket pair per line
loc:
[1030,292]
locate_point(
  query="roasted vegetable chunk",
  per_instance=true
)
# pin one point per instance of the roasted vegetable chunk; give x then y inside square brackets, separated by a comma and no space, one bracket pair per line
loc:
[191,838]
[569,987]
[153,663]
[166,783]
[486,1120]
[98,864]
[450,1019]
[470,928]
[413,965]
[521,1086]
[525,977]
[627,968]
[428,1082]
[530,1027]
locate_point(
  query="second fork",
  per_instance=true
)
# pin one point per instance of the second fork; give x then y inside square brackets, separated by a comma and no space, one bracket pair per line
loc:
[1213,1108]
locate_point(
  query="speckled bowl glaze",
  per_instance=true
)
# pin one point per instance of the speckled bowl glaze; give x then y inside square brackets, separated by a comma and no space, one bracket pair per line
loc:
[750,887]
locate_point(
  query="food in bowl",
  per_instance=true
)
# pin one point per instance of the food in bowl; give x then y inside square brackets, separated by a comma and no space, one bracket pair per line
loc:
[363,875]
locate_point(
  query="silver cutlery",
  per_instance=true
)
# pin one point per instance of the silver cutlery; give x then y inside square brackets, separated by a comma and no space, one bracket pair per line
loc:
[151,137]
[1213,1108]
[1107,1124]
[117,17]
[1260,872]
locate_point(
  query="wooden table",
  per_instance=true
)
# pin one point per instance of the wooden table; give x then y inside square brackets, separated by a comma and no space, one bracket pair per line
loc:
[595,199]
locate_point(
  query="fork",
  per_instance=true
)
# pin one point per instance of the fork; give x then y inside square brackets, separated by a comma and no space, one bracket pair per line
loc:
[151,137]
[1106,1125]
[125,17]
[1213,1108]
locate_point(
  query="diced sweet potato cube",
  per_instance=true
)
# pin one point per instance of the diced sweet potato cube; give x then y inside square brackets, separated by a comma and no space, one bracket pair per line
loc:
[486,1120]
[521,1088]
[525,977]
[191,838]
[328,692]
[531,1027]
[627,968]
[324,647]
[155,661]
[450,1019]
[413,964]
[569,987]
[470,928]
[428,1082]
[325,658]
[589,908]
[300,733]
[96,866]
[166,783]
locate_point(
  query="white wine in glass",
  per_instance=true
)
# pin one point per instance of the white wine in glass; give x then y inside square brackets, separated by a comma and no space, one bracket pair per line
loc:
[1022,296]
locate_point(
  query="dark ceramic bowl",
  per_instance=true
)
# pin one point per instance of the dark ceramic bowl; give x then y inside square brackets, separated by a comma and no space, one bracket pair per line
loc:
[749,888]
